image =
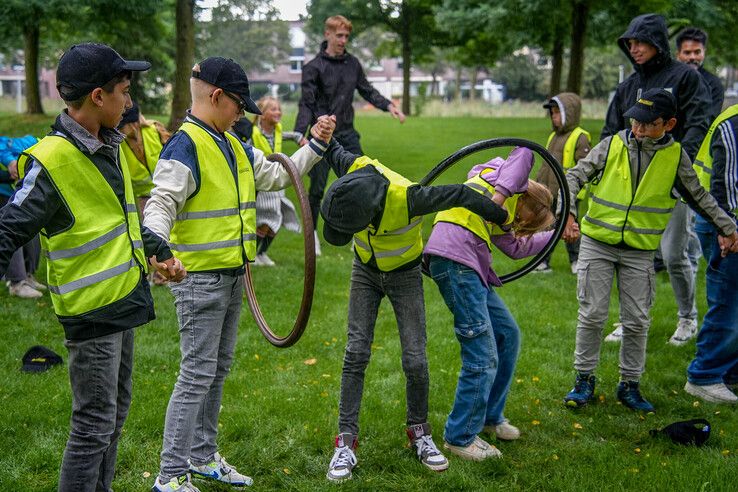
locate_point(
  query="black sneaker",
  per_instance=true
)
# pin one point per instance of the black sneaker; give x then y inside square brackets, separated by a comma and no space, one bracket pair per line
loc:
[629,395]
[583,391]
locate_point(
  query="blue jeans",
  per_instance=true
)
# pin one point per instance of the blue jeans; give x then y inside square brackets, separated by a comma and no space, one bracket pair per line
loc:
[490,343]
[716,360]
[706,234]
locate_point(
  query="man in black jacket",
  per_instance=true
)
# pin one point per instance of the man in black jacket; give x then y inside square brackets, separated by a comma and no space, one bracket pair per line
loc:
[328,84]
[691,50]
[646,44]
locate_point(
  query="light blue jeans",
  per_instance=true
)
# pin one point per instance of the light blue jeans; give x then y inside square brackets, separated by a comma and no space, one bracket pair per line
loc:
[208,309]
[490,343]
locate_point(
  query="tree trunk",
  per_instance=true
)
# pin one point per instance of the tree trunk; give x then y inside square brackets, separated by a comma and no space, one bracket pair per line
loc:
[472,84]
[457,88]
[30,51]
[579,13]
[185,55]
[406,61]
[557,61]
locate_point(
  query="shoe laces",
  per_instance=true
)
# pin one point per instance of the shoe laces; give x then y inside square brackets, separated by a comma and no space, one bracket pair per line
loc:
[425,446]
[343,457]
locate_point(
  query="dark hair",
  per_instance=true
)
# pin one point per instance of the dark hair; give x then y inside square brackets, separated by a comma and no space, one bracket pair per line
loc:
[691,34]
[107,87]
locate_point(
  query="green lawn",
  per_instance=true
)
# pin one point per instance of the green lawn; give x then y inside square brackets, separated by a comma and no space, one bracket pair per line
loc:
[279,412]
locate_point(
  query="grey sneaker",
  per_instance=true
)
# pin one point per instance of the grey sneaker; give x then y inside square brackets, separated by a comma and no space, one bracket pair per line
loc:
[35,284]
[23,290]
[616,335]
[344,459]
[478,450]
[716,393]
[504,431]
[686,330]
[220,470]
[422,442]
[176,484]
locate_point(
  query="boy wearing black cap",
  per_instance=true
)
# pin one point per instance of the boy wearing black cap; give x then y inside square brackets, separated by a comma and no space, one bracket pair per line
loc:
[77,192]
[635,178]
[382,211]
[203,203]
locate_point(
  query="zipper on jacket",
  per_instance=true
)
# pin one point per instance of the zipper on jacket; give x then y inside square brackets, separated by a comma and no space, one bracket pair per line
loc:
[633,191]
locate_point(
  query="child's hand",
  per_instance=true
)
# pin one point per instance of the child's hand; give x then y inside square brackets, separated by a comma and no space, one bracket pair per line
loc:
[171,269]
[324,127]
[571,231]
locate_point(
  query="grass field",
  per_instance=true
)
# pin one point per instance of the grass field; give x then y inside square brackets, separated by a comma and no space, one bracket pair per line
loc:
[279,412]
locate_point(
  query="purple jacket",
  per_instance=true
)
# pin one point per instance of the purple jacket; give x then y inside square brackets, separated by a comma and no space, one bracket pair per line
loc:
[462,246]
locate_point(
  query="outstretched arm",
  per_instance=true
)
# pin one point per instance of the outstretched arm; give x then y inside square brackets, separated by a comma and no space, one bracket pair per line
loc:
[424,200]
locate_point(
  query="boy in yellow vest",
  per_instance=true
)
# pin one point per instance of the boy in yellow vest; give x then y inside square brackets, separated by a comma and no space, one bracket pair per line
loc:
[636,176]
[203,204]
[382,212]
[77,192]
[568,142]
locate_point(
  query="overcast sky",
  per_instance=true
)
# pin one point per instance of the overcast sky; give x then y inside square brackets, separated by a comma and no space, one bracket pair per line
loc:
[289,9]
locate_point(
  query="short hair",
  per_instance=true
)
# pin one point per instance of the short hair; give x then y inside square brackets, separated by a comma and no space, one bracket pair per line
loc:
[108,87]
[691,34]
[199,89]
[334,22]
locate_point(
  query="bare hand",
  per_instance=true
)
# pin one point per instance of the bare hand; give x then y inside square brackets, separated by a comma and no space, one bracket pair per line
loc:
[728,244]
[303,142]
[571,231]
[396,113]
[13,170]
[323,128]
[171,269]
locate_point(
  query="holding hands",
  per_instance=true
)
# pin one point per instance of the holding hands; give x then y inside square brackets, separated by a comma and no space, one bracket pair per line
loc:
[323,128]
[571,231]
[171,269]
[728,244]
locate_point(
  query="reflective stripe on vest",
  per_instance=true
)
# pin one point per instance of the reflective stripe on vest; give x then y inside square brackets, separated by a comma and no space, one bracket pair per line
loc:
[473,222]
[568,159]
[703,162]
[261,142]
[397,241]
[141,172]
[99,260]
[216,228]
[616,215]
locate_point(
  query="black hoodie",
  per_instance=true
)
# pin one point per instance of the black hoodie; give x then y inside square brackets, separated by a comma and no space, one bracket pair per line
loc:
[692,95]
[328,85]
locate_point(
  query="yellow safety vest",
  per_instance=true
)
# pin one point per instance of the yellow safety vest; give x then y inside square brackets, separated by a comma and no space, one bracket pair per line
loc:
[617,215]
[703,162]
[216,228]
[570,147]
[141,172]
[100,259]
[397,241]
[473,222]
[261,142]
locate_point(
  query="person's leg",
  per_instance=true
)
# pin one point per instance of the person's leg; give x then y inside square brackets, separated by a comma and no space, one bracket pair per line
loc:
[405,292]
[202,301]
[350,140]
[706,235]
[318,178]
[16,271]
[94,374]
[364,298]
[32,254]
[204,444]
[461,289]
[674,246]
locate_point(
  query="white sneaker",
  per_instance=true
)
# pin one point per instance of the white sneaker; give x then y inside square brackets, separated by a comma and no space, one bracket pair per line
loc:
[716,393]
[317,244]
[220,470]
[263,260]
[344,460]
[686,329]
[574,267]
[504,431]
[176,484]
[422,442]
[543,267]
[23,290]
[35,284]
[617,333]
[478,450]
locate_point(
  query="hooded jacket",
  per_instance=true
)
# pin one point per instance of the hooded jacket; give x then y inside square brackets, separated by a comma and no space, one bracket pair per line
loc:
[570,106]
[328,84]
[687,86]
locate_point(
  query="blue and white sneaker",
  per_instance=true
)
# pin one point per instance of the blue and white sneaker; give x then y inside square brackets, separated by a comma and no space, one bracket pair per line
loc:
[176,484]
[220,470]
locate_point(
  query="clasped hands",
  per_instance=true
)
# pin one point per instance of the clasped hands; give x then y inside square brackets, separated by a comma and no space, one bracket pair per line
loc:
[171,269]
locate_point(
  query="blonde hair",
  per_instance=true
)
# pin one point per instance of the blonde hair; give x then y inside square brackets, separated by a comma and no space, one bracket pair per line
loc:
[263,104]
[537,200]
[199,89]
[333,23]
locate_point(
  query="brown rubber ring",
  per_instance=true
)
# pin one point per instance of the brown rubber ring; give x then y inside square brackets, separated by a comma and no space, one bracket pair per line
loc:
[308,286]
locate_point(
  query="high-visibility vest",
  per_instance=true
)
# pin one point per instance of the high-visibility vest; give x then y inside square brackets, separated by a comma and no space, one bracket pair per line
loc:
[397,240]
[703,162]
[261,142]
[618,215]
[570,147]
[141,172]
[473,222]
[216,228]
[100,259]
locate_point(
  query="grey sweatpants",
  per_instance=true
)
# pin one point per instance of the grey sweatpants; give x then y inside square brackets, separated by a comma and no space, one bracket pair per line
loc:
[675,252]
[598,264]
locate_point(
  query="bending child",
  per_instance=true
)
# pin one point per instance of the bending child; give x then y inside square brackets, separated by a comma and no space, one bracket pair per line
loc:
[382,211]
[459,257]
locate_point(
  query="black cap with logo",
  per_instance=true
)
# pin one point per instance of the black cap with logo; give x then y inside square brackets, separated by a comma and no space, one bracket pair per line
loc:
[39,359]
[87,66]
[652,105]
[228,75]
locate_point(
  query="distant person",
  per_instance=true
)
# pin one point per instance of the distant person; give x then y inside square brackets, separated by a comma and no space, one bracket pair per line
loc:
[646,44]
[568,142]
[691,50]
[636,178]
[328,84]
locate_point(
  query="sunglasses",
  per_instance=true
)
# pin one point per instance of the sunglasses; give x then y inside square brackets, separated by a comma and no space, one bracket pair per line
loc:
[239,102]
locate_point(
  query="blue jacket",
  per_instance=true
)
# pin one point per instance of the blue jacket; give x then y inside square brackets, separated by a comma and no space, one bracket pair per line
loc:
[10,150]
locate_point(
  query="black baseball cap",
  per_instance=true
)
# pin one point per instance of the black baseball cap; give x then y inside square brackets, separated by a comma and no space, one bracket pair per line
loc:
[686,432]
[87,66]
[652,105]
[228,75]
[351,203]
[39,359]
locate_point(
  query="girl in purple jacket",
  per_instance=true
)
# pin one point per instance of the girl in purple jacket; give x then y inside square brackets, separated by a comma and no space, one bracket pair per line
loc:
[458,256]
